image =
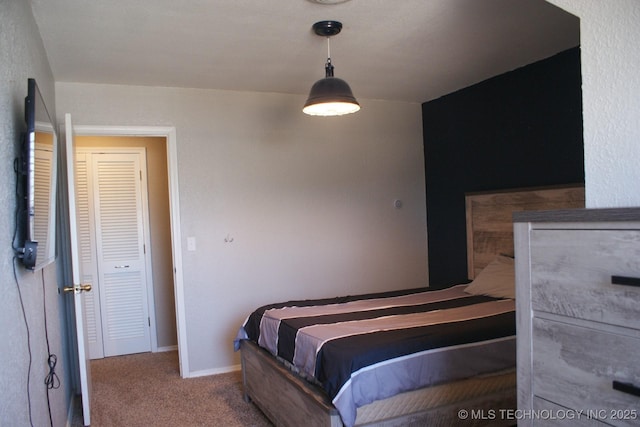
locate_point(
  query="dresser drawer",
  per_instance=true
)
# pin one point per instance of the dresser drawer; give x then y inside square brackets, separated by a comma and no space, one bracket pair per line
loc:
[571,274]
[575,367]
[547,414]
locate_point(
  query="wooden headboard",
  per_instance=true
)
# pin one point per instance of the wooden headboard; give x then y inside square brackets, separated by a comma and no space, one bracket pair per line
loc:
[490,223]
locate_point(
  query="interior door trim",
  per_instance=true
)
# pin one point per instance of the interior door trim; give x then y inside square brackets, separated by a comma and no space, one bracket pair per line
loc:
[168,132]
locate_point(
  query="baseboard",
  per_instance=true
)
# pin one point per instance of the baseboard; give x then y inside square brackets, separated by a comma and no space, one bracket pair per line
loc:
[216,371]
[166,348]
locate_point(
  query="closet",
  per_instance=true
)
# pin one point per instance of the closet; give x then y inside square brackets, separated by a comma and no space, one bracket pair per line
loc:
[113,220]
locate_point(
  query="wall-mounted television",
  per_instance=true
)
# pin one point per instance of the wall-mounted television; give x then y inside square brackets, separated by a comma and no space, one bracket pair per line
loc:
[38,172]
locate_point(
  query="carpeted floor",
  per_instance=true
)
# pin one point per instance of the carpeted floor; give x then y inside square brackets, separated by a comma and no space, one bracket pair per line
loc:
[146,390]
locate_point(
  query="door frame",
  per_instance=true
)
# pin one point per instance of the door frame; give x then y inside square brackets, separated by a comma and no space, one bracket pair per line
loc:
[169,133]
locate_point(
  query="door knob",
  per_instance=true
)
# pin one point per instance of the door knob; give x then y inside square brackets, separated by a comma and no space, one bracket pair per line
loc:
[78,288]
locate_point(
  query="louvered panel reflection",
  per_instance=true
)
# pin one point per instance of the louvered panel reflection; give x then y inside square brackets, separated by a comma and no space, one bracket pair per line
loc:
[124,304]
[42,184]
[118,210]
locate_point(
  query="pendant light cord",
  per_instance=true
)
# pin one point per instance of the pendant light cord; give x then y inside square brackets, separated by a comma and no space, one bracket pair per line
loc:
[328,68]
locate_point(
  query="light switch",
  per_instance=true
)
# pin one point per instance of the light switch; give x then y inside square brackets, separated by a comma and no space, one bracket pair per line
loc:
[191,243]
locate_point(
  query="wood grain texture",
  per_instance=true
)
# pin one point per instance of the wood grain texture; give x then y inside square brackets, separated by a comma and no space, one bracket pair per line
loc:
[579,420]
[523,315]
[579,215]
[577,332]
[286,400]
[489,218]
[575,367]
[571,274]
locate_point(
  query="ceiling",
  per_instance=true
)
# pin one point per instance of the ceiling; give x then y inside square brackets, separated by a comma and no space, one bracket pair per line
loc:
[402,50]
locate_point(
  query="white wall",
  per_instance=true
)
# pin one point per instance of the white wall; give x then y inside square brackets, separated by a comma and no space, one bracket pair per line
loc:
[23,56]
[610,40]
[308,201]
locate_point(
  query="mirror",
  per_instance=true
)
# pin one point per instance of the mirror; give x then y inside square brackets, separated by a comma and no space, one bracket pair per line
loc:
[39,157]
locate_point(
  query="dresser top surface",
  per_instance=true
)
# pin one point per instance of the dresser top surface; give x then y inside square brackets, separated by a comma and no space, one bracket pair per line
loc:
[579,215]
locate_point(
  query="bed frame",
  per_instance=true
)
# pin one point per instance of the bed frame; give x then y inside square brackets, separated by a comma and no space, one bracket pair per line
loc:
[489,232]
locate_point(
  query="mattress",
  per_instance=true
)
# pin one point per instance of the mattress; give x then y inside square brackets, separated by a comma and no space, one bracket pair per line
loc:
[365,348]
[438,396]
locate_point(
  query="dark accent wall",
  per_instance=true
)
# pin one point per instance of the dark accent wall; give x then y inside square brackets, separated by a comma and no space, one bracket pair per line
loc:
[519,129]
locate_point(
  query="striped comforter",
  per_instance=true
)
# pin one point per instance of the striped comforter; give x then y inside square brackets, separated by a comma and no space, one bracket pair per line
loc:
[369,347]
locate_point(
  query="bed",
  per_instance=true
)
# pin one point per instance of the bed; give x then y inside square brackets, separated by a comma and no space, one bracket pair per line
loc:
[411,356]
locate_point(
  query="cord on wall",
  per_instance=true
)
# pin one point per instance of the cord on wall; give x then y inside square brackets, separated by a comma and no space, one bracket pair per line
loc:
[51,380]
[17,256]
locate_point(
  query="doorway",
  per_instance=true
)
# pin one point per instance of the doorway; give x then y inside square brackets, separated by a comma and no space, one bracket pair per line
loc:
[167,143]
[124,225]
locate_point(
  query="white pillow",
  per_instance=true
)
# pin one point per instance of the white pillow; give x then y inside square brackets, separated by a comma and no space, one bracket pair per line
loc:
[496,280]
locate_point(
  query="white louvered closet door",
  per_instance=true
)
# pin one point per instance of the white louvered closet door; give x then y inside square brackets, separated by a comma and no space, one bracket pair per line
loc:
[119,225]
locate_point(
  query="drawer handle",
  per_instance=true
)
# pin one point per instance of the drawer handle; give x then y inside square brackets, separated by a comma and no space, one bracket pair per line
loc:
[622,280]
[626,388]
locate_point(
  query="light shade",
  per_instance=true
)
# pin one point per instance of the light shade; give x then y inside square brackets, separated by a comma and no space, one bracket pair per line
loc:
[330,96]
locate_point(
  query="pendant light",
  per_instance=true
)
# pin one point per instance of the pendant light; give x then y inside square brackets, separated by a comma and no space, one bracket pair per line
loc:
[330,96]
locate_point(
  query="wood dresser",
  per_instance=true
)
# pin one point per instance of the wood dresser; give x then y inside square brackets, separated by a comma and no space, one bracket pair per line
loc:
[578,317]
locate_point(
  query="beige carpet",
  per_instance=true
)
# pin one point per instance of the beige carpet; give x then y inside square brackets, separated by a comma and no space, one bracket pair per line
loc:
[146,390]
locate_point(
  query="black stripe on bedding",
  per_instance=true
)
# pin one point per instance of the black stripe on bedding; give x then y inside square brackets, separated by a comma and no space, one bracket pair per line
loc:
[289,327]
[368,349]
[252,325]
